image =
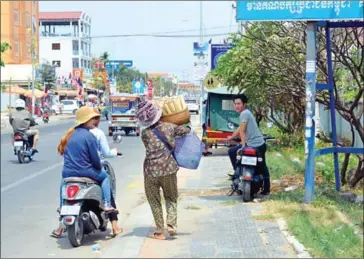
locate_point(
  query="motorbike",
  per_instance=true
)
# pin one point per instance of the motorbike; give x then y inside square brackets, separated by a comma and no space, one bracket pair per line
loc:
[22,146]
[45,115]
[247,179]
[81,212]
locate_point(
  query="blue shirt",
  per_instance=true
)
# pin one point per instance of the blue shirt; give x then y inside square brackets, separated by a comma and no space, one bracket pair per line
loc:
[81,157]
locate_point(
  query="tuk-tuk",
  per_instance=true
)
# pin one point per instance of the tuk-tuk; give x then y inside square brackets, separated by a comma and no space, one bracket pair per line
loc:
[123,108]
[221,118]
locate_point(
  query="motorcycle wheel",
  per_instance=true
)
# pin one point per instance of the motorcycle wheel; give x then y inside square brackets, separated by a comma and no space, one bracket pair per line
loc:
[246,191]
[75,232]
[20,157]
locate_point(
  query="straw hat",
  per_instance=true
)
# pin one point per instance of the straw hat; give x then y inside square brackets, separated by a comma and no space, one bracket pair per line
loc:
[148,114]
[84,114]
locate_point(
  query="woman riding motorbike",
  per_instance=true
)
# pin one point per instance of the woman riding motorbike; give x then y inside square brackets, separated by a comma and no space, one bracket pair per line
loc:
[81,158]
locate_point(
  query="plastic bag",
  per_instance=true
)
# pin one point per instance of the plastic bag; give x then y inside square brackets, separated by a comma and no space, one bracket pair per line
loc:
[188,151]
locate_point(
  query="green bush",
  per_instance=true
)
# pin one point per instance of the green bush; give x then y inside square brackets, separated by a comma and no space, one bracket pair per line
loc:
[283,139]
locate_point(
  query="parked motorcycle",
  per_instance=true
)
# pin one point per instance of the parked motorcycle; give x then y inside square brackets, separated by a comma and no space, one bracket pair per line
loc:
[248,180]
[22,146]
[81,212]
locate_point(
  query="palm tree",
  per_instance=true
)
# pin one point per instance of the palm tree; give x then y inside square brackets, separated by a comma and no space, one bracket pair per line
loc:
[104,58]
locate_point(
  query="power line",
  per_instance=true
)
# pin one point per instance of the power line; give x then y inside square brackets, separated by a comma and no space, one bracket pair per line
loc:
[158,33]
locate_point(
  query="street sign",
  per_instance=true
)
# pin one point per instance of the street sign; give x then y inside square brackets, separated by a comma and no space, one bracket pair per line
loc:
[117,64]
[200,69]
[200,49]
[217,50]
[299,10]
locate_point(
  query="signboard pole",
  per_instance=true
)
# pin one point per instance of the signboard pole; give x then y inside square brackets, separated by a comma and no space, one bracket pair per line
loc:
[201,41]
[310,112]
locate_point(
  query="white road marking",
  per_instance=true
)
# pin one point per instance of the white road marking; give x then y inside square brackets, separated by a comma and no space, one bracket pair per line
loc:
[30,177]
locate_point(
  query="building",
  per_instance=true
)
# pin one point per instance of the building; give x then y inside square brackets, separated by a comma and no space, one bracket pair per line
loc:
[16,29]
[65,43]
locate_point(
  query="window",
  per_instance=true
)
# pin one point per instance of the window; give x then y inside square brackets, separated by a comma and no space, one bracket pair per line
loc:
[227,105]
[28,50]
[56,46]
[16,48]
[56,63]
[27,20]
[16,17]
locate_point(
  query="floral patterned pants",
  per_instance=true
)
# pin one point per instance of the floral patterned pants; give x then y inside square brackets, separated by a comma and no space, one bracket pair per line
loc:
[152,187]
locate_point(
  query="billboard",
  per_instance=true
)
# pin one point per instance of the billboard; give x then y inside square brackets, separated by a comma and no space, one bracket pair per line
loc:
[200,48]
[217,50]
[299,10]
[138,86]
[117,64]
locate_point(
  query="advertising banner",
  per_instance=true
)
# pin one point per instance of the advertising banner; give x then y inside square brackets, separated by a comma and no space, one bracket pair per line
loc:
[217,50]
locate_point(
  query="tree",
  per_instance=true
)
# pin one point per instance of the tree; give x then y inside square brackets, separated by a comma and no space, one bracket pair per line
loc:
[269,63]
[124,78]
[4,47]
[48,76]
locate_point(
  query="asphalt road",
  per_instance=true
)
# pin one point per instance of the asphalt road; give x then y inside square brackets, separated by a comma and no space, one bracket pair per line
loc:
[29,196]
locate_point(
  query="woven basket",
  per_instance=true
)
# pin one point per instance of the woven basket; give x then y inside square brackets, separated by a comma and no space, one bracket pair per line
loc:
[178,118]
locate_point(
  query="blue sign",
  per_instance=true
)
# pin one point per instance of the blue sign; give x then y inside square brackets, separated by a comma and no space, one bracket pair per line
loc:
[217,50]
[117,64]
[299,10]
[138,86]
[200,48]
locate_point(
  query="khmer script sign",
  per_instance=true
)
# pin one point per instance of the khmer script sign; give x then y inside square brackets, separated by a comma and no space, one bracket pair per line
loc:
[299,10]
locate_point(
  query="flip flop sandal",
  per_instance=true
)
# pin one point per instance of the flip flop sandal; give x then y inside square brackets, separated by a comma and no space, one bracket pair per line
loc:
[116,234]
[56,235]
[171,231]
[158,236]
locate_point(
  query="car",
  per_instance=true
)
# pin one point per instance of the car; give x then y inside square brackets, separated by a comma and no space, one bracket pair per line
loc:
[193,105]
[69,106]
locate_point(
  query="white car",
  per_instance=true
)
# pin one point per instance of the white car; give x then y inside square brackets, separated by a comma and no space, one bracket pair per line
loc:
[193,106]
[69,106]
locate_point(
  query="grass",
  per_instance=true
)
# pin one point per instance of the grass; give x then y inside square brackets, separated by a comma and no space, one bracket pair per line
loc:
[317,225]
[265,217]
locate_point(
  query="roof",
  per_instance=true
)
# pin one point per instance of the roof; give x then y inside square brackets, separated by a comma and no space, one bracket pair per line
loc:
[158,75]
[60,15]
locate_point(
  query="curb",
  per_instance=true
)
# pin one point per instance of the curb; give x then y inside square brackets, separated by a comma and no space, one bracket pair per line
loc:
[297,245]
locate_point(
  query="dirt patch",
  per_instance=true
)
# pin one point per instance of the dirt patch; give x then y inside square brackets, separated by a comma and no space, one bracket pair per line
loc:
[292,180]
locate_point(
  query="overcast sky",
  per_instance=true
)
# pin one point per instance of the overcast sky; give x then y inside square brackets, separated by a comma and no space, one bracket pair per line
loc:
[162,55]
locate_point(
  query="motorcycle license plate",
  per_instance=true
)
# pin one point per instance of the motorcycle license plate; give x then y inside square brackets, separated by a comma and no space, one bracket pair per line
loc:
[68,210]
[18,143]
[246,160]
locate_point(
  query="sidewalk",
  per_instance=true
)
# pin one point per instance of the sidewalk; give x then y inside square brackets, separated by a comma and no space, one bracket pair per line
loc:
[210,224]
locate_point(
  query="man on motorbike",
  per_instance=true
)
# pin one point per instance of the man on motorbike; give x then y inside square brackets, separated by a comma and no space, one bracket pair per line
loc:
[22,120]
[250,136]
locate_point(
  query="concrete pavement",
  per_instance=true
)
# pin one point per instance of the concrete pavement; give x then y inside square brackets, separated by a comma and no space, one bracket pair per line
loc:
[210,224]
[30,196]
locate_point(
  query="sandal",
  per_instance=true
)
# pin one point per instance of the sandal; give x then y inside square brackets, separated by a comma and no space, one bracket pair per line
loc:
[158,236]
[171,231]
[55,234]
[118,233]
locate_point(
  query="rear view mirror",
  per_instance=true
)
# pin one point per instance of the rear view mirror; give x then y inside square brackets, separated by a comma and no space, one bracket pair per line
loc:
[117,138]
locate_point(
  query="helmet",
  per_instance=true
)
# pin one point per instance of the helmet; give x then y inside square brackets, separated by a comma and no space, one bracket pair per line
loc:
[19,103]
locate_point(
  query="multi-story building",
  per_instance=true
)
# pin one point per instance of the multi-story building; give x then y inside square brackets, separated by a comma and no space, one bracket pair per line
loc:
[16,29]
[65,42]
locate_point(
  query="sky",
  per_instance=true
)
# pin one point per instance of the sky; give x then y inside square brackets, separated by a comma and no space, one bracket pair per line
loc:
[159,55]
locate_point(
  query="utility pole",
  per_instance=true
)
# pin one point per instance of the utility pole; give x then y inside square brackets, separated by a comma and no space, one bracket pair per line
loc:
[32,55]
[203,57]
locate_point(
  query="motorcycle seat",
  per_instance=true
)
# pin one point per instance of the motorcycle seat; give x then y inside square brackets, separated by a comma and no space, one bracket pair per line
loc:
[79,180]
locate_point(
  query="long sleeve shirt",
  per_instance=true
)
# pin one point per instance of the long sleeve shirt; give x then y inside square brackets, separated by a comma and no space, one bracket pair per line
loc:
[159,160]
[103,145]
[81,157]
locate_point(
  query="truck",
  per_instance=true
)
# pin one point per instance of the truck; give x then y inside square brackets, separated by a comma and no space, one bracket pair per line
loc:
[123,107]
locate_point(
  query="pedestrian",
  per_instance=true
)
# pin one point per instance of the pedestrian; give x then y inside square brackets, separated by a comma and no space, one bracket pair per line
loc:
[160,167]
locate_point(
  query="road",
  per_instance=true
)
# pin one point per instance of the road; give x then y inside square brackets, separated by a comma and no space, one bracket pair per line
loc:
[29,196]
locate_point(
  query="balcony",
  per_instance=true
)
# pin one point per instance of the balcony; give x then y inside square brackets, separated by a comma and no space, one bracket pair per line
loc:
[48,34]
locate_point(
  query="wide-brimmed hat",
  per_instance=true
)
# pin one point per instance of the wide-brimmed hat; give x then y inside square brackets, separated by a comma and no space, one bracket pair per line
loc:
[84,114]
[148,114]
